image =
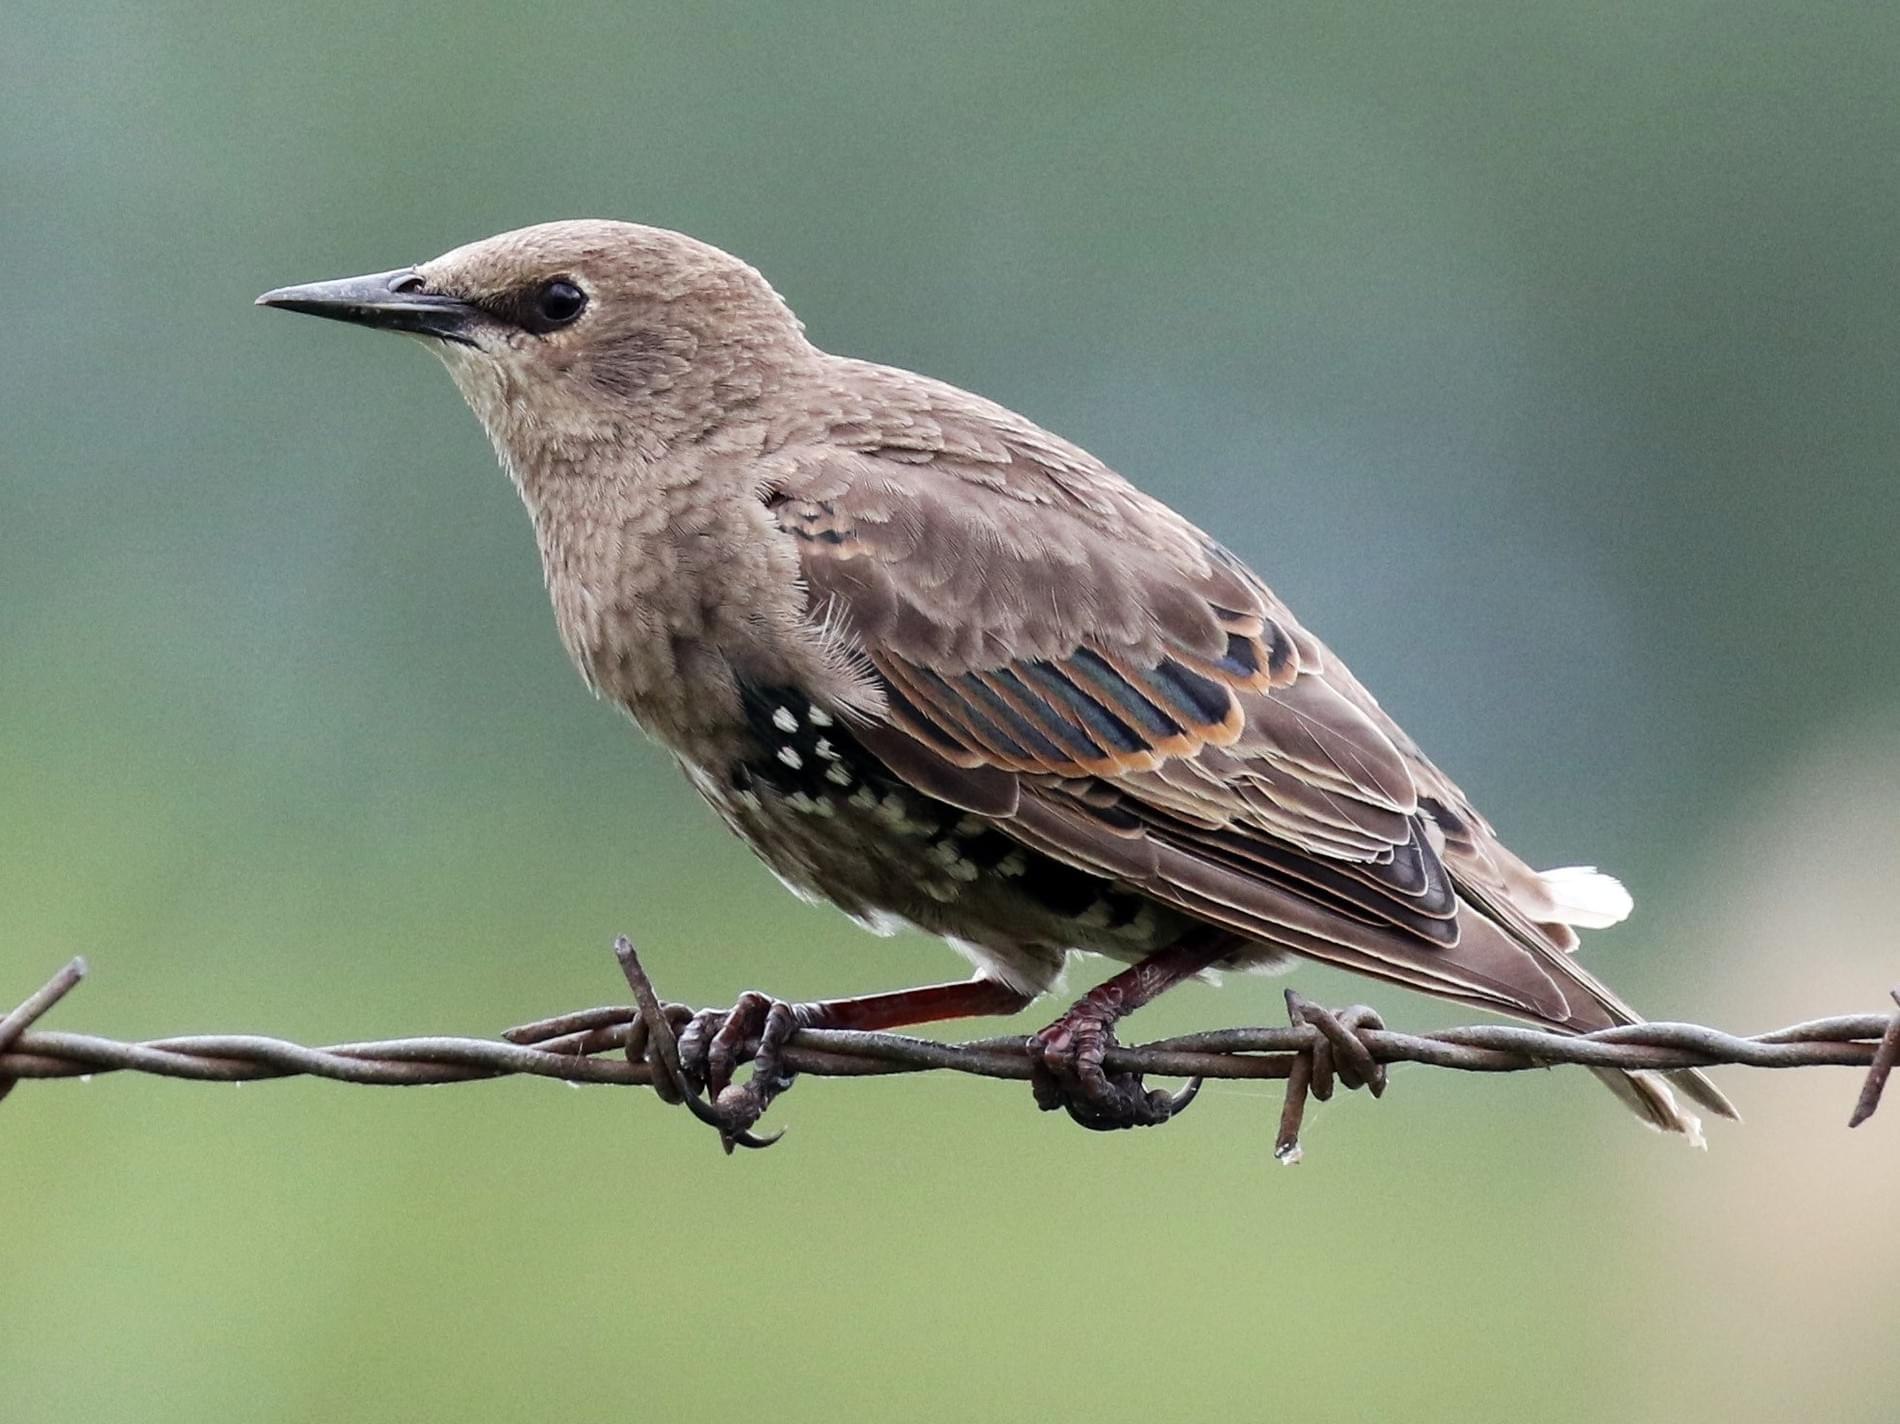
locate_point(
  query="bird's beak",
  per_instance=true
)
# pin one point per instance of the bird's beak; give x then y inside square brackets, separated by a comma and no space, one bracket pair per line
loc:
[391,301]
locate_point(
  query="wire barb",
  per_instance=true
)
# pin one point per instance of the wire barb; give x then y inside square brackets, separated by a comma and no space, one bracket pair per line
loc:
[34,1007]
[1885,1055]
[1314,1070]
[638,1046]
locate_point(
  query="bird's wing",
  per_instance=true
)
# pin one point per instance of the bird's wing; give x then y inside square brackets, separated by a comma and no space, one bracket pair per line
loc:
[1050,648]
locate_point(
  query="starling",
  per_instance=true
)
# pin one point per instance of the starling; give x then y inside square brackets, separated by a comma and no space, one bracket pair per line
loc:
[942,668]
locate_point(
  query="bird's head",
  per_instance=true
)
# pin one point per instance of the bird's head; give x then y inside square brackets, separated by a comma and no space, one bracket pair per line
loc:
[571,334]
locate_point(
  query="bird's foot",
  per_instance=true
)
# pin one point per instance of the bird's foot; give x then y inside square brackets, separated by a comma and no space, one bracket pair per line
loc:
[692,1055]
[716,1043]
[1067,1072]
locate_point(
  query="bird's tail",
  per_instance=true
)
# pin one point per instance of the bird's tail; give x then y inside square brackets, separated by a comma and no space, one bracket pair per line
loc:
[1650,1095]
[1524,960]
[1541,943]
[1507,957]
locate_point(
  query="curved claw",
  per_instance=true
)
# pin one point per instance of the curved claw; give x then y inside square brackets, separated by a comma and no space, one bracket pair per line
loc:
[712,1046]
[1067,1073]
[659,1046]
[1188,1094]
[730,1133]
[1129,1105]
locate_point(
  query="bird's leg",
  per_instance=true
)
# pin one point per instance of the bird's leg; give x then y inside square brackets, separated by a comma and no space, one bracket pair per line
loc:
[1067,1056]
[716,1041]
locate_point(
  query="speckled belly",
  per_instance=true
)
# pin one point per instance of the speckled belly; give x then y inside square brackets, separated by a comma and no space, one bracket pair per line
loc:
[828,818]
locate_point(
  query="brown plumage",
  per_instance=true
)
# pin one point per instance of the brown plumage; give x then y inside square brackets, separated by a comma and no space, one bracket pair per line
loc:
[939,666]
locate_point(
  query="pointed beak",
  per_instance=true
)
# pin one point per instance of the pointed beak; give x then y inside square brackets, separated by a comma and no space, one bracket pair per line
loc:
[390,301]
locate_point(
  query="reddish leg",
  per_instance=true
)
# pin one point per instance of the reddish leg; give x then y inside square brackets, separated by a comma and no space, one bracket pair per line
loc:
[1068,1054]
[965,999]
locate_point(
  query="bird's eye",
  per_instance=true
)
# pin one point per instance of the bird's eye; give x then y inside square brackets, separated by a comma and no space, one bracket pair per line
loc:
[555,304]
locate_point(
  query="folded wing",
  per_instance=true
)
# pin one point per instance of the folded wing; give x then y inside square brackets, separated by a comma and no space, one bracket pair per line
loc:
[1048,647]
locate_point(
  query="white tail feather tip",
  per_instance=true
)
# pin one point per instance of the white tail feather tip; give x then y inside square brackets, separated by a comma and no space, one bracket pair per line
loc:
[1585,897]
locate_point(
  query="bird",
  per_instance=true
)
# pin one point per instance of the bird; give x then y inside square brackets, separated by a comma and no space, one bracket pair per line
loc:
[944,669]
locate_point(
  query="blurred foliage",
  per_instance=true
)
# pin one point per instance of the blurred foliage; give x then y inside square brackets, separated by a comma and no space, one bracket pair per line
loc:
[1541,354]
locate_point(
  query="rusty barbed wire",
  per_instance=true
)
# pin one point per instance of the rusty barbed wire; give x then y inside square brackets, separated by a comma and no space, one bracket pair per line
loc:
[609,1045]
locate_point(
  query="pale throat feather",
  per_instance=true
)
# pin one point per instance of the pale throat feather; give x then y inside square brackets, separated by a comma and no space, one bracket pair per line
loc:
[664,589]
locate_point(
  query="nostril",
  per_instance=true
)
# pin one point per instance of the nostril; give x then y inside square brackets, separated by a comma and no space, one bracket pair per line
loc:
[407,282]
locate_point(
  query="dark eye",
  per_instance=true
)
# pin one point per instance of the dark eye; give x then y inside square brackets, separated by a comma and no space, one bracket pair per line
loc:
[555,304]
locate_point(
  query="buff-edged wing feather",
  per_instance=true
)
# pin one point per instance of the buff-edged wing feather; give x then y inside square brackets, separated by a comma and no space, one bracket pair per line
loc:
[1043,645]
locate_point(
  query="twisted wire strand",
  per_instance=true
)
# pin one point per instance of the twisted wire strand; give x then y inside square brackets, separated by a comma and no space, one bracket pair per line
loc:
[591,1046]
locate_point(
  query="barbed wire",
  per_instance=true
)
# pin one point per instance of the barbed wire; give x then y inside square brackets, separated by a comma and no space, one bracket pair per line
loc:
[634,1045]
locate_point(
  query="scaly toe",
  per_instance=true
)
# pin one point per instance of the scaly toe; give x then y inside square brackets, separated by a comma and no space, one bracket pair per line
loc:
[695,1046]
[1066,1072]
[717,1042]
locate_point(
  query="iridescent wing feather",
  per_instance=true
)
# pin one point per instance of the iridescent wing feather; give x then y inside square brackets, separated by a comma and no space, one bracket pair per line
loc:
[1054,650]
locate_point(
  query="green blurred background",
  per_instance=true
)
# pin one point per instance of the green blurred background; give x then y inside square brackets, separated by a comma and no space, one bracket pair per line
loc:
[1541,354]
